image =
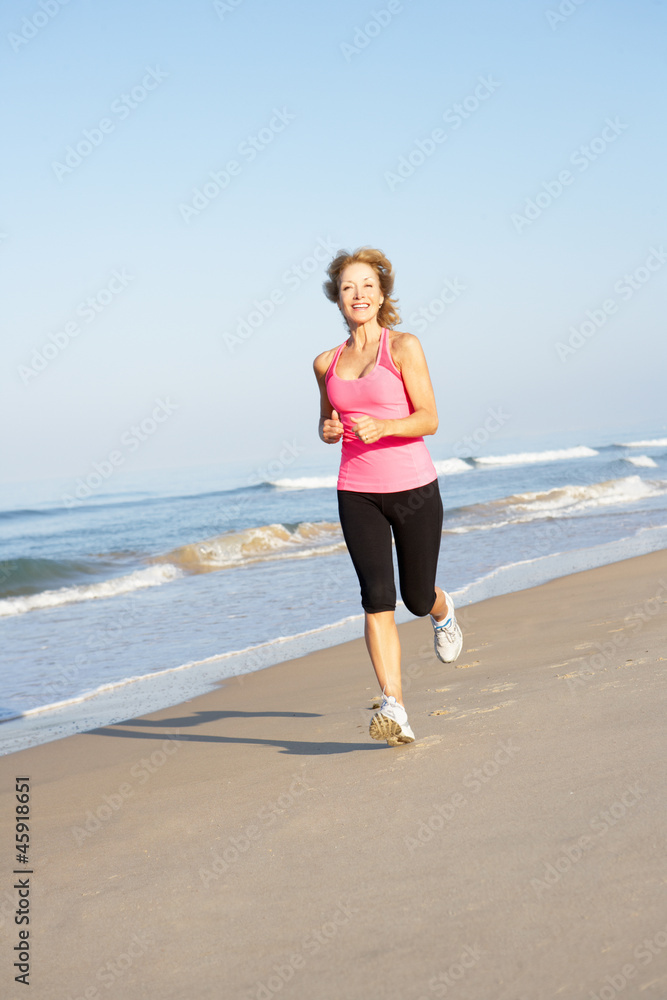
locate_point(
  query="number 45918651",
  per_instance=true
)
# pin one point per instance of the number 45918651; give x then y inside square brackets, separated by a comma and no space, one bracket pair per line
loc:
[22,796]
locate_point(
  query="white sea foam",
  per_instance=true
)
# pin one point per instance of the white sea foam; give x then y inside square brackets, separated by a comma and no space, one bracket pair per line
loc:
[151,577]
[655,443]
[451,466]
[244,660]
[564,501]
[267,542]
[579,497]
[530,457]
[643,461]
[306,483]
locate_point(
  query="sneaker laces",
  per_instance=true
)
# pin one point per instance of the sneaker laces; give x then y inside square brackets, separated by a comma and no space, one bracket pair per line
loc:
[390,702]
[448,627]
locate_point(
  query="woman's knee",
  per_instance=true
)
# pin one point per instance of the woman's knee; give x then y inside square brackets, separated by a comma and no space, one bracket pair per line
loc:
[419,605]
[376,597]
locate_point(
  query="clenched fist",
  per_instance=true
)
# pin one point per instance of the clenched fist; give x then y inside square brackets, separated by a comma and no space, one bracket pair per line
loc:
[332,429]
[369,430]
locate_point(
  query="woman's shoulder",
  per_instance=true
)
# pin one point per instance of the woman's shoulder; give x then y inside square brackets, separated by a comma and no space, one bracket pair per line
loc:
[323,360]
[404,347]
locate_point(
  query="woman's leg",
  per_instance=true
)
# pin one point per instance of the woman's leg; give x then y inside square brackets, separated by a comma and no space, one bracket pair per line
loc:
[384,649]
[416,520]
[417,526]
[440,609]
[367,533]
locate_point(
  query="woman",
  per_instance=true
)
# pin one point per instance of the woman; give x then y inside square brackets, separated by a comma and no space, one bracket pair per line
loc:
[376,395]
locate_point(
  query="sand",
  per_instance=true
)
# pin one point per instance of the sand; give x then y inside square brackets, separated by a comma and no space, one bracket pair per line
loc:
[254,842]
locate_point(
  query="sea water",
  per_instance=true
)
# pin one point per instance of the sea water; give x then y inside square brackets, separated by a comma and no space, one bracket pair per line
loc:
[153,587]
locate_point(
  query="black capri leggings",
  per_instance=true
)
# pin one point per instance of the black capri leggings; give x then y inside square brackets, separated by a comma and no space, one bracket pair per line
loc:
[415,517]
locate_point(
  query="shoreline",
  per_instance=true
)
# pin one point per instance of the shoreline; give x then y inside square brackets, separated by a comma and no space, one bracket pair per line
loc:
[151,692]
[256,836]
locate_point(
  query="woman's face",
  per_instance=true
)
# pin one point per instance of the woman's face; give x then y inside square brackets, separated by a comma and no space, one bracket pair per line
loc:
[360,296]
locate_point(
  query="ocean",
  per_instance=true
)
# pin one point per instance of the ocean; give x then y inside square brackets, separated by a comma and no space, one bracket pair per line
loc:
[124,595]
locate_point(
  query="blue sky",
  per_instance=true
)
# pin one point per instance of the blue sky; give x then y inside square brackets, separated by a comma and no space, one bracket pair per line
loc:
[131,287]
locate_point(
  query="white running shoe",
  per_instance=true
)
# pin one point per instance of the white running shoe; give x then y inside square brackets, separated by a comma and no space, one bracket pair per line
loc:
[391,723]
[448,638]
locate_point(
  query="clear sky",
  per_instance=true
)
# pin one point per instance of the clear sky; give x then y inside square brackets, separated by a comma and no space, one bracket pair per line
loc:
[174,170]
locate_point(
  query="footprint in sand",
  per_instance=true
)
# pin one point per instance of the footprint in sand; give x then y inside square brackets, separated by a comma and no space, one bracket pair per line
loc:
[473,711]
[422,743]
[567,663]
[465,666]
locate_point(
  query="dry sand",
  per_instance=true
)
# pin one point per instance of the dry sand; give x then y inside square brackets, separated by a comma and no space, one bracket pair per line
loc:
[254,842]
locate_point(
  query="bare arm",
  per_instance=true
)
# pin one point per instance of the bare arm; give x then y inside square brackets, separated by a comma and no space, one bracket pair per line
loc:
[330,427]
[409,358]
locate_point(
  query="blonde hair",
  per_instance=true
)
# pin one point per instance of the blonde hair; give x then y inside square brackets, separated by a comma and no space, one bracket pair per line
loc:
[387,314]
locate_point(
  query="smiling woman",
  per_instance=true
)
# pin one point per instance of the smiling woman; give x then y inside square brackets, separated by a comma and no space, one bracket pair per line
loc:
[376,395]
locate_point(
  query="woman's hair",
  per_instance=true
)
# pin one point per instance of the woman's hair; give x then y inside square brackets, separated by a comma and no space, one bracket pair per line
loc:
[387,314]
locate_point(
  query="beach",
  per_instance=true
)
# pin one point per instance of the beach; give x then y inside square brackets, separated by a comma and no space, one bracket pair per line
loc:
[111,601]
[254,842]
[215,350]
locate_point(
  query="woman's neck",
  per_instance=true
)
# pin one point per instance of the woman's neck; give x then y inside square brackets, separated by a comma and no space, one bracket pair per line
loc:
[364,334]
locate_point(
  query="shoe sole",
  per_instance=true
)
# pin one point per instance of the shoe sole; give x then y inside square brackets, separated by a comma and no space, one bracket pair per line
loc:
[383,728]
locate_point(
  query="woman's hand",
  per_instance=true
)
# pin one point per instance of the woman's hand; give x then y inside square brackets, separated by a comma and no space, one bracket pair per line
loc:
[332,429]
[369,430]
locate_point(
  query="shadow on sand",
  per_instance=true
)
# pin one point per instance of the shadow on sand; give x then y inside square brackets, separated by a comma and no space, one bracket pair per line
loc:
[296,747]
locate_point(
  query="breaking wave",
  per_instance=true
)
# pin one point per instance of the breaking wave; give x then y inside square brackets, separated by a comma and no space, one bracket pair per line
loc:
[151,577]
[562,501]
[642,461]
[306,483]
[452,466]
[271,541]
[530,457]
[655,443]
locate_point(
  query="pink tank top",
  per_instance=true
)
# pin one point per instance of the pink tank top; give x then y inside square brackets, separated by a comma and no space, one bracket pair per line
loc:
[392,463]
